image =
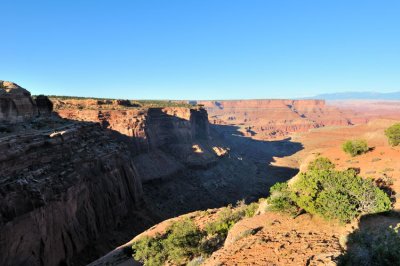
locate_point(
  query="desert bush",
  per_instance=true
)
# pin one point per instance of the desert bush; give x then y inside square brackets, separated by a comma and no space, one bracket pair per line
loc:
[251,209]
[183,240]
[355,147]
[321,163]
[332,194]
[367,247]
[211,243]
[393,134]
[227,217]
[246,210]
[341,195]
[180,244]
[281,199]
[150,250]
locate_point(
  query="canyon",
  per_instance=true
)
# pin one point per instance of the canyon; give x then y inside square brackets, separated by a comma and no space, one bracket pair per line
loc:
[81,176]
[276,119]
[73,175]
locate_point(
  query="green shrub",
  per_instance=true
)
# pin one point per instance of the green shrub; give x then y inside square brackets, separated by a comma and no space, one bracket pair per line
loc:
[341,195]
[280,199]
[180,244]
[150,251]
[227,217]
[332,194]
[321,163]
[251,209]
[183,240]
[355,147]
[393,134]
[368,247]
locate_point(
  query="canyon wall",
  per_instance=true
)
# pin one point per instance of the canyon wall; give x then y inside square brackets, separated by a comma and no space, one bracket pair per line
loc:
[60,190]
[266,119]
[164,141]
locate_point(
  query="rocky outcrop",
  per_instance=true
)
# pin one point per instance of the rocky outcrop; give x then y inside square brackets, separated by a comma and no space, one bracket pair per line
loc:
[161,139]
[44,105]
[267,119]
[60,190]
[16,103]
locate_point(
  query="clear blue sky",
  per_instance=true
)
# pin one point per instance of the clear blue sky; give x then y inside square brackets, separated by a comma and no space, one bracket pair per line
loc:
[204,49]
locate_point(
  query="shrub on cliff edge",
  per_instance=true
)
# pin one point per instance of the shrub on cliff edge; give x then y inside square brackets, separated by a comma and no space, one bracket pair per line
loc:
[355,147]
[332,194]
[393,134]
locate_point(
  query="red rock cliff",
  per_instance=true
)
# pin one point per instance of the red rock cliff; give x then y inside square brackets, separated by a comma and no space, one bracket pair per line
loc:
[59,191]
[162,139]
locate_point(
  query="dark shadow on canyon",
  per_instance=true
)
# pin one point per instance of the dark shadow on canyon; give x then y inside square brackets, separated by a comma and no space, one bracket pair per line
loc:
[246,173]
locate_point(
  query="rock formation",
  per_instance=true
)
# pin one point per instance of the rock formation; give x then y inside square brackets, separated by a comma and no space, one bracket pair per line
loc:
[16,103]
[161,139]
[44,105]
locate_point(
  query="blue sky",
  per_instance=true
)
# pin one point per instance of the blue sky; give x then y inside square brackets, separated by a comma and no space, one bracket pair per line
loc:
[204,49]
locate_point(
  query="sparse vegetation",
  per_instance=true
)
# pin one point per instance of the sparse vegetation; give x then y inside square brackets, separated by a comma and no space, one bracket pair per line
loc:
[281,199]
[150,250]
[332,194]
[367,247]
[228,216]
[184,243]
[393,134]
[180,244]
[355,147]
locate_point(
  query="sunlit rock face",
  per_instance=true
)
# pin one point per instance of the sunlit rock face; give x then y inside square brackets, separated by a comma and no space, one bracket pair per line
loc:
[16,103]
[269,119]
